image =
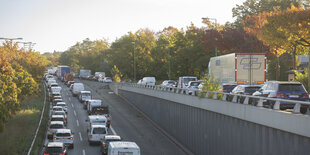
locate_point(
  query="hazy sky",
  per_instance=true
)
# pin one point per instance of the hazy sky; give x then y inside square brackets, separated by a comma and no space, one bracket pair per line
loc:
[59,24]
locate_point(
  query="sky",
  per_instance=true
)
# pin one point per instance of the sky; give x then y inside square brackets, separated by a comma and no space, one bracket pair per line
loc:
[59,24]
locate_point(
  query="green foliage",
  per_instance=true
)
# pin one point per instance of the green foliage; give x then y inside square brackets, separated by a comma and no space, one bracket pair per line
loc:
[210,84]
[302,78]
[116,74]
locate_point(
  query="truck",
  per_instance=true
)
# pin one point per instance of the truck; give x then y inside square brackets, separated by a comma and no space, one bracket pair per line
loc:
[84,73]
[239,68]
[123,147]
[91,104]
[99,75]
[61,71]
[102,110]
[184,80]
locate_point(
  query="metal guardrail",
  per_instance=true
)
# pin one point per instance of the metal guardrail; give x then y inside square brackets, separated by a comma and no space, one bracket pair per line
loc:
[256,100]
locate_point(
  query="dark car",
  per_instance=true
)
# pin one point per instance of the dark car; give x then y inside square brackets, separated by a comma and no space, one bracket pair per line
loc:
[284,90]
[228,87]
[244,90]
[105,143]
[53,148]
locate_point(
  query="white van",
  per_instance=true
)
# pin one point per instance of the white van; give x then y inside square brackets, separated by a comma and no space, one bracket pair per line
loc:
[97,133]
[96,120]
[148,81]
[55,89]
[93,103]
[184,80]
[77,88]
[85,96]
[122,147]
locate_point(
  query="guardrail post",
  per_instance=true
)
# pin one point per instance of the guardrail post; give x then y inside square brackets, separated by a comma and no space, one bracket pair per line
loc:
[246,100]
[276,106]
[194,93]
[215,96]
[260,103]
[296,108]
[234,99]
[207,95]
[224,97]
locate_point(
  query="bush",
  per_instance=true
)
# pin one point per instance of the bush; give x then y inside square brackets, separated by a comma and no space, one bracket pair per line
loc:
[210,84]
[302,78]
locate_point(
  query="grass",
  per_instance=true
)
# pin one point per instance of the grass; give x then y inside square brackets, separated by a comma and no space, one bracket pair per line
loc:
[19,131]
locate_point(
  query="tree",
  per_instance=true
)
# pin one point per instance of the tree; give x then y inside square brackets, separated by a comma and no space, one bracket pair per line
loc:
[254,7]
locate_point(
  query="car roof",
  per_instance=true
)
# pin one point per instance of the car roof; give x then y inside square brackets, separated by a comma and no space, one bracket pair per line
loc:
[58,99]
[61,103]
[112,137]
[57,107]
[285,82]
[57,122]
[124,144]
[63,131]
[55,144]
[96,117]
[85,91]
[57,116]
[98,126]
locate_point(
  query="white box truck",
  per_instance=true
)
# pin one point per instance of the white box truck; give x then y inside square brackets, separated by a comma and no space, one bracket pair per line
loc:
[124,148]
[239,68]
[93,103]
[184,80]
[84,73]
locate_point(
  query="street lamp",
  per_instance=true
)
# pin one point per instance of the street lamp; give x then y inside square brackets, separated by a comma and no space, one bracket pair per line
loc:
[30,44]
[215,21]
[134,61]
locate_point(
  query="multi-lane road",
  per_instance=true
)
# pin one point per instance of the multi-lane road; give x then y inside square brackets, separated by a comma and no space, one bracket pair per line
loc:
[127,122]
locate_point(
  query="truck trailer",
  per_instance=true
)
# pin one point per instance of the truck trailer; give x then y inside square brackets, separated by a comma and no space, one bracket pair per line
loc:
[61,71]
[239,68]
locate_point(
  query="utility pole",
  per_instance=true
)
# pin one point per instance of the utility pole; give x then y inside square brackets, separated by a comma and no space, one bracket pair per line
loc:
[134,61]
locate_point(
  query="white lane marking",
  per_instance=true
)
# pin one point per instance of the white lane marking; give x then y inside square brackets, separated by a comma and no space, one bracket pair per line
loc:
[72,105]
[80,136]
[69,99]
[67,93]
[84,152]
[77,123]
[113,131]
[74,113]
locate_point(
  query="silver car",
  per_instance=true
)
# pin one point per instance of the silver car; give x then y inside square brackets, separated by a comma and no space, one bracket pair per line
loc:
[63,105]
[53,126]
[65,136]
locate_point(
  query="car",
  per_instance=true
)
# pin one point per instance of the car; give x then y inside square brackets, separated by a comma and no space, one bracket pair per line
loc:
[90,77]
[65,136]
[84,96]
[228,87]
[69,83]
[59,118]
[148,81]
[139,82]
[58,108]
[52,128]
[283,90]
[96,133]
[244,90]
[60,113]
[168,83]
[107,80]
[54,85]
[58,148]
[56,97]
[193,86]
[55,101]
[54,94]
[105,142]
[63,105]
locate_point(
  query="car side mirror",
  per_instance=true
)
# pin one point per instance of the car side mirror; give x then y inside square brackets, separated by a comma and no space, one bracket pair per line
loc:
[260,90]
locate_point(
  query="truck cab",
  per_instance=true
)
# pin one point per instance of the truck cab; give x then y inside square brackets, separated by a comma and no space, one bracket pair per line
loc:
[84,96]
[184,80]
[96,133]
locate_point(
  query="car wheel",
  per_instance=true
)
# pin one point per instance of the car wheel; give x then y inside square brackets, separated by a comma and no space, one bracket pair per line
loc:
[303,110]
[72,146]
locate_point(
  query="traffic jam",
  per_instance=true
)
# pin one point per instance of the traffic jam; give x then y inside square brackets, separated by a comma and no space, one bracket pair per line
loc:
[100,135]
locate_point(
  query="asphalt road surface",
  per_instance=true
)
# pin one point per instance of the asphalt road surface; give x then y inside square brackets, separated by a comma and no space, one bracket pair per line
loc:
[126,122]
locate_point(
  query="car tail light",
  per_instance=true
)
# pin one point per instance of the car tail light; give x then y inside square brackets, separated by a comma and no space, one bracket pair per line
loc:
[91,137]
[70,138]
[55,138]
[105,145]
[280,95]
[46,154]
[305,96]
[61,154]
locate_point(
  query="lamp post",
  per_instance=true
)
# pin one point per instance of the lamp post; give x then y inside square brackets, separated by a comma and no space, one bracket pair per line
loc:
[215,21]
[134,61]
[30,44]
[1,38]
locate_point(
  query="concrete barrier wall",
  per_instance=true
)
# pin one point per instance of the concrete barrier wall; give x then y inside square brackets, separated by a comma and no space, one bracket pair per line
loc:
[209,126]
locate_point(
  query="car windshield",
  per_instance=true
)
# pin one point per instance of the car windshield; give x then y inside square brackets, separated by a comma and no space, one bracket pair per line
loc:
[195,83]
[186,80]
[86,94]
[63,134]
[54,150]
[57,109]
[99,131]
[56,126]
[171,82]
[98,122]
[251,90]
[291,87]
[59,113]
[228,88]
[57,119]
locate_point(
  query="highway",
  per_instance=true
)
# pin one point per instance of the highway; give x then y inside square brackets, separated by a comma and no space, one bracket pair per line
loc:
[126,122]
